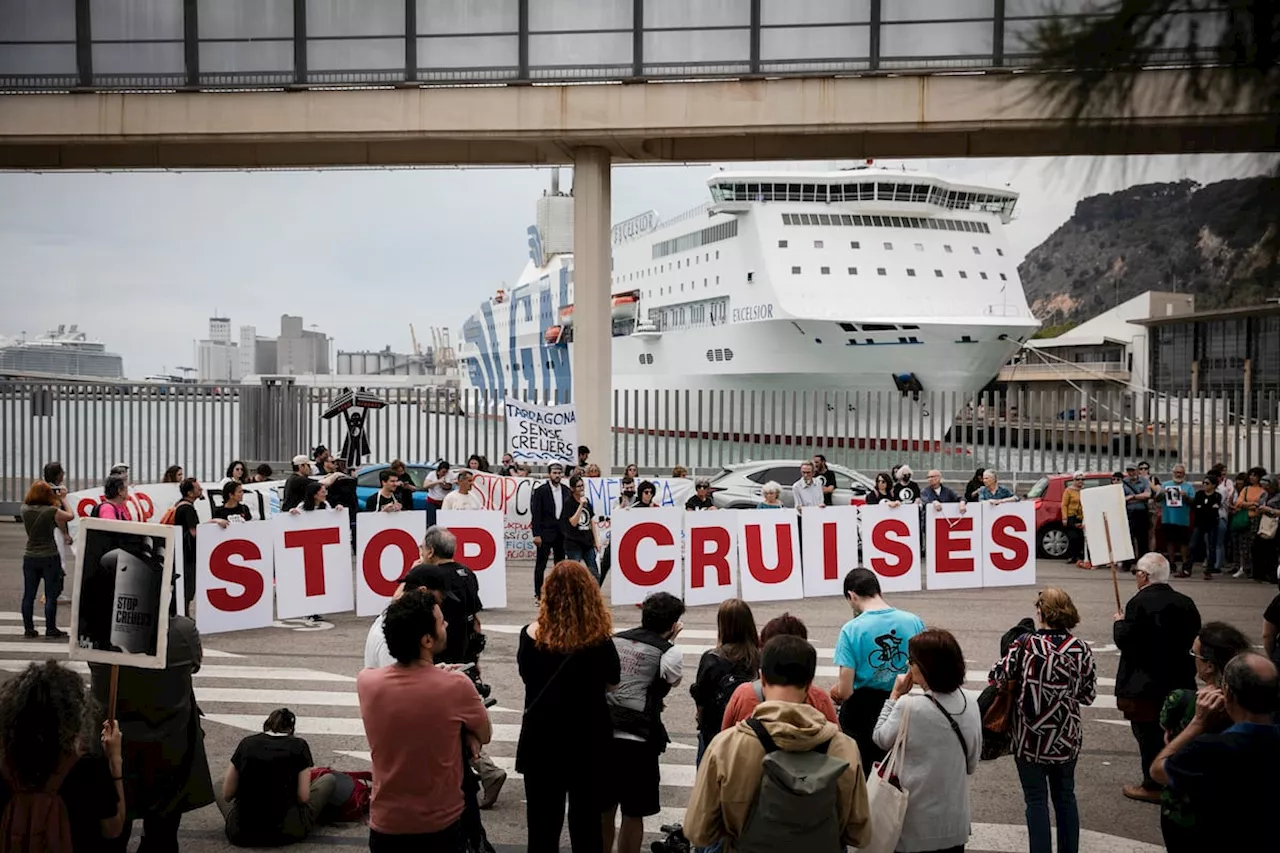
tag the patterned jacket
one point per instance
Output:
(1055, 674)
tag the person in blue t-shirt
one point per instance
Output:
(871, 653)
(1175, 517)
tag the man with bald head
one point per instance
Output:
(938, 494)
(1228, 777)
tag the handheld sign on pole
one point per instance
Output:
(1106, 527)
(1115, 579)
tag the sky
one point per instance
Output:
(141, 260)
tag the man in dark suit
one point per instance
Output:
(545, 510)
(1154, 635)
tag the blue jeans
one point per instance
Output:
(583, 554)
(35, 570)
(1040, 782)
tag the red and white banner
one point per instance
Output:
(1009, 547)
(386, 547)
(480, 548)
(953, 541)
(313, 563)
(769, 544)
(891, 545)
(830, 549)
(710, 557)
(234, 576)
(646, 552)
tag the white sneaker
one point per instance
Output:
(1239, 574)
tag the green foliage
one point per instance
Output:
(1055, 330)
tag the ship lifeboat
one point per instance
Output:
(552, 334)
(625, 305)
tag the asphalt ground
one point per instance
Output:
(312, 670)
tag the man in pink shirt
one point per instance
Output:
(415, 716)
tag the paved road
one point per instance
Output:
(312, 671)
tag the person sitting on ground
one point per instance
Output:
(747, 696)
(943, 743)
(1232, 773)
(268, 796)
(49, 780)
(1214, 647)
(771, 496)
(729, 780)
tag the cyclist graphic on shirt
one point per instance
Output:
(889, 658)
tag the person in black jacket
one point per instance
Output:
(545, 509)
(1154, 635)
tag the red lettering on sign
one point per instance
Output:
(1001, 536)
(897, 546)
(700, 559)
(145, 506)
(948, 545)
(85, 507)
(312, 543)
(372, 566)
(476, 547)
(221, 567)
(629, 545)
(755, 553)
(830, 559)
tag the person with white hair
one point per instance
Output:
(905, 490)
(992, 491)
(770, 496)
(1156, 625)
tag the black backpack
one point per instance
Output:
(96, 511)
(725, 687)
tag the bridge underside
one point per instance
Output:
(981, 115)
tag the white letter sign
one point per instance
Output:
(481, 549)
(830, 549)
(313, 563)
(386, 546)
(234, 573)
(891, 545)
(770, 555)
(646, 553)
(710, 557)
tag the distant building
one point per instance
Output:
(299, 350)
(217, 358)
(386, 363)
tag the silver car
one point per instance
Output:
(738, 486)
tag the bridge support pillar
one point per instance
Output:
(592, 302)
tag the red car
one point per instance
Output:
(1051, 538)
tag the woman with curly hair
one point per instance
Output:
(568, 662)
(54, 796)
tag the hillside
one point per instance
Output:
(1219, 242)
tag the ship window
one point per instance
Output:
(824, 219)
(938, 273)
(963, 274)
(853, 270)
(982, 276)
(817, 244)
(849, 327)
(1003, 277)
(919, 247)
(905, 327)
(888, 247)
(902, 340)
(718, 254)
(911, 273)
(846, 219)
(877, 327)
(854, 244)
(881, 271)
(825, 270)
(795, 270)
(977, 251)
(946, 249)
(782, 244)
(717, 279)
(1000, 252)
(704, 282)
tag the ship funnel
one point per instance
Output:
(555, 181)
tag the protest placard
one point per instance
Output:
(541, 434)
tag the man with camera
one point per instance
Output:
(461, 607)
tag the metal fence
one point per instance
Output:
(201, 44)
(90, 427)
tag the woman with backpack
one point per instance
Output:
(268, 796)
(942, 741)
(1049, 673)
(735, 660)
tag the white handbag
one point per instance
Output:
(886, 798)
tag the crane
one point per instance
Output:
(417, 350)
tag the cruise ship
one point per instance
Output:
(858, 280)
(64, 352)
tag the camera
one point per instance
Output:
(674, 842)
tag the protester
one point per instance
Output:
(747, 696)
(476, 462)
(187, 520)
(1265, 552)
(1206, 507)
(1214, 647)
(115, 499)
(44, 741)
(1137, 494)
(236, 471)
(1250, 499)
(1153, 509)
(415, 715)
(827, 476)
(883, 490)
(992, 491)
(651, 666)
(723, 805)
(807, 491)
(584, 454)
(55, 476)
(120, 469)
(936, 493)
(1229, 776)
(508, 466)
(546, 507)
(314, 497)
(679, 472)
(735, 660)
(438, 486)
(166, 772)
(268, 796)
(172, 474)
(295, 487)
(1226, 488)
(632, 470)
(905, 490)
(43, 518)
(943, 744)
(974, 485)
(1157, 623)
(1073, 518)
(626, 492)
(646, 492)
(386, 499)
(1175, 518)
(420, 577)
(593, 471)
(871, 653)
(578, 527)
(568, 662)
(1052, 673)
(233, 508)
(1271, 629)
(262, 473)
(466, 497)
(701, 497)
(520, 470)
(770, 496)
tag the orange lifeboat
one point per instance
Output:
(552, 335)
(625, 305)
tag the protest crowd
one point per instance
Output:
(879, 760)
